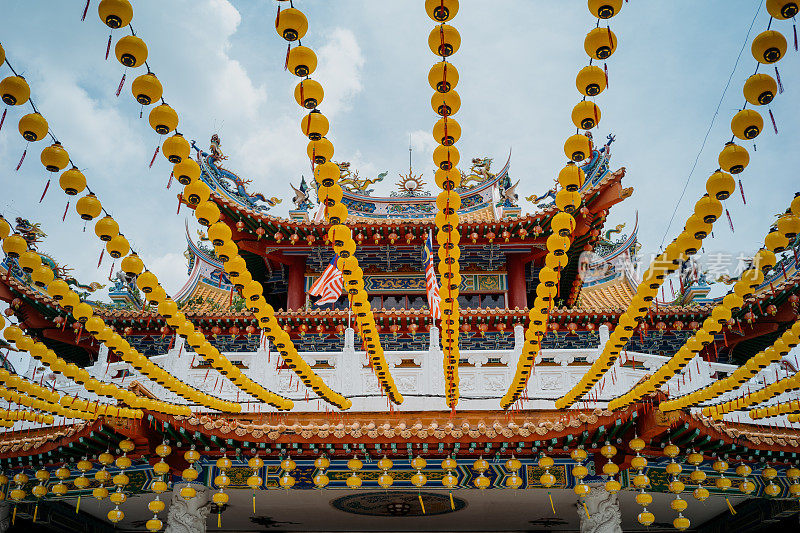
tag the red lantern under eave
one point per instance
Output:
(216, 330)
(233, 330)
(589, 326)
(483, 327)
(522, 233)
(128, 331)
(164, 331)
(677, 325)
(793, 299)
(339, 328)
(572, 327)
(609, 325)
(771, 309)
(661, 326)
(57, 320)
(474, 237)
(393, 237)
(360, 237)
(501, 327)
(584, 210)
(465, 327)
(278, 236)
(310, 239)
(260, 232)
(376, 237)
(293, 238)
(240, 225)
(16, 303)
(491, 236)
(394, 328)
(303, 329)
(287, 328)
(320, 329)
(731, 323)
(694, 325)
(554, 326)
(250, 330)
(537, 230)
(412, 328)
(409, 237)
(506, 235)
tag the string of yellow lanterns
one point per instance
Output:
(735, 380)
(599, 44)
(21, 391)
(768, 47)
(159, 486)
(31, 262)
(641, 481)
(55, 158)
(764, 261)
(444, 41)
(163, 119)
(292, 25)
(9, 416)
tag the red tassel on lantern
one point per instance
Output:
(741, 190)
(85, 10)
(778, 78)
(730, 220)
(772, 118)
(169, 183)
(47, 186)
(108, 46)
(21, 159)
(154, 157)
(3, 118)
(121, 84)
(63, 218)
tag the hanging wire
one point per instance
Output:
(711, 125)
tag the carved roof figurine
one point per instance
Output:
(350, 180)
(301, 199)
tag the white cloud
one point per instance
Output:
(340, 65)
(423, 143)
(170, 269)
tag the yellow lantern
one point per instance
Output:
(106, 228)
(789, 225)
(590, 81)
(302, 61)
(131, 51)
(605, 9)
(88, 207)
(720, 185)
(14, 90)
(586, 115)
(444, 40)
(72, 181)
(446, 131)
(446, 104)
(186, 171)
(769, 46)
(782, 9)
(733, 158)
(196, 192)
(118, 246)
(446, 157)
(577, 147)
(314, 125)
(600, 43)
(441, 10)
(54, 157)
(308, 93)
(132, 265)
(747, 124)
(568, 201)
(320, 151)
(163, 119)
(115, 13)
(147, 89)
(291, 24)
(760, 89)
(443, 77)
(33, 127)
(176, 148)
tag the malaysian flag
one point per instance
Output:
(431, 285)
(329, 285)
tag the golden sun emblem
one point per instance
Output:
(410, 183)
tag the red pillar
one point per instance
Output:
(296, 280)
(517, 292)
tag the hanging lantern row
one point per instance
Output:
(740, 376)
(599, 44)
(55, 158)
(558, 244)
(768, 47)
(95, 326)
(291, 24)
(444, 41)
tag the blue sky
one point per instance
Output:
(221, 63)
